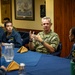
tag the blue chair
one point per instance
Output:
(58, 51)
(25, 37)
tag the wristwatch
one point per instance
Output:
(42, 42)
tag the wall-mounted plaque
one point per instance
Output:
(6, 9)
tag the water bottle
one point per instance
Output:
(22, 69)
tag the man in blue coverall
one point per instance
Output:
(11, 36)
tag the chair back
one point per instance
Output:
(58, 51)
(25, 37)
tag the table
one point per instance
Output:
(41, 64)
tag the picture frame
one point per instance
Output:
(24, 9)
(6, 10)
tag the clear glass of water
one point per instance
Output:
(9, 52)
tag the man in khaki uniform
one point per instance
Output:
(46, 41)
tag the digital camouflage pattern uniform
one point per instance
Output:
(51, 38)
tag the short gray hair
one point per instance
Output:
(48, 18)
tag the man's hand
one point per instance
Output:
(31, 35)
(4, 68)
(38, 38)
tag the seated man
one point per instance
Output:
(7, 19)
(1, 33)
(11, 36)
(46, 41)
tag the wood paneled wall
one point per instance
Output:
(64, 19)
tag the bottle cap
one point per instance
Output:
(22, 64)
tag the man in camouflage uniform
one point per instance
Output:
(46, 41)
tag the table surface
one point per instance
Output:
(40, 64)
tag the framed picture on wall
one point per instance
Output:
(6, 9)
(24, 9)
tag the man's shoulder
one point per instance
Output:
(53, 33)
(15, 32)
(1, 28)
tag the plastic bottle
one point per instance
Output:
(22, 69)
